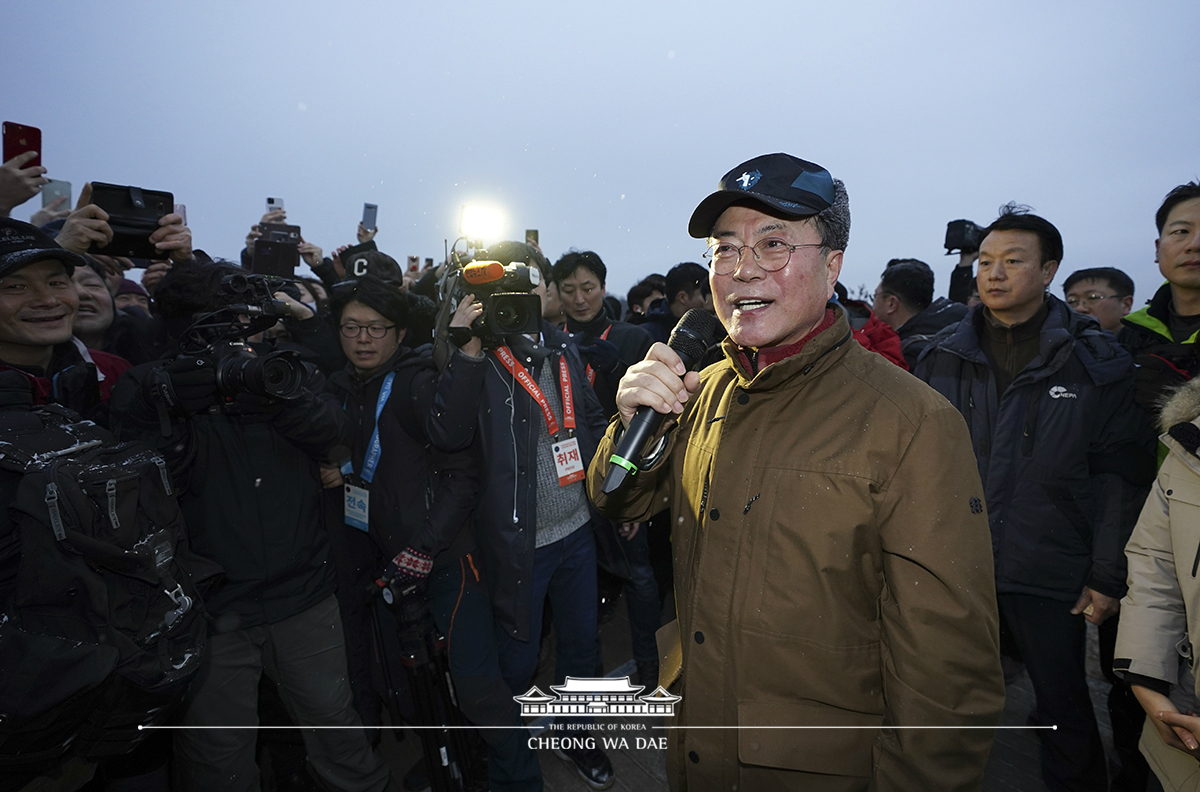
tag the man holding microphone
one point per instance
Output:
(833, 573)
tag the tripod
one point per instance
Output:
(423, 654)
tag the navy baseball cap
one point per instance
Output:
(785, 184)
(22, 244)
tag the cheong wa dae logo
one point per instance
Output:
(597, 696)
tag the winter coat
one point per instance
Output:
(873, 333)
(1059, 451)
(250, 491)
(1160, 616)
(631, 345)
(1162, 363)
(1149, 327)
(916, 333)
(477, 401)
(419, 497)
(831, 569)
(78, 377)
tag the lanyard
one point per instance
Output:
(591, 375)
(371, 460)
(522, 376)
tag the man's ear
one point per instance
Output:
(1126, 304)
(1048, 271)
(833, 267)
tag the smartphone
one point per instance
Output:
(369, 213)
(531, 236)
(54, 189)
(133, 215)
(281, 232)
(181, 210)
(414, 263)
(275, 258)
(274, 203)
(18, 139)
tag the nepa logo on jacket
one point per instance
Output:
(1059, 392)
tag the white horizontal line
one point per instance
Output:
(534, 726)
(1055, 728)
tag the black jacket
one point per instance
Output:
(420, 497)
(1059, 453)
(478, 401)
(631, 342)
(916, 333)
(250, 491)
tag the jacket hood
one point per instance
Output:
(938, 314)
(1183, 405)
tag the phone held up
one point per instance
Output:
(277, 251)
(54, 189)
(133, 215)
(18, 139)
(370, 211)
(274, 203)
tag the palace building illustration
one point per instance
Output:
(587, 696)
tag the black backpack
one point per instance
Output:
(101, 623)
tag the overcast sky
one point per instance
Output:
(604, 124)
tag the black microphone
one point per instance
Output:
(689, 340)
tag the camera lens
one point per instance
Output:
(278, 375)
(509, 317)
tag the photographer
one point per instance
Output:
(534, 524)
(418, 504)
(246, 469)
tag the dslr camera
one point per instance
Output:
(221, 335)
(963, 236)
(509, 308)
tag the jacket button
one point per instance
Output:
(695, 757)
(743, 398)
(1170, 491)
(699, 636)
(715, 514)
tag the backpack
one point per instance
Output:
(101, 623)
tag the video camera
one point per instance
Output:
(963, 236)
(508, 306)
(221, 335)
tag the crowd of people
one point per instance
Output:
(872, 514)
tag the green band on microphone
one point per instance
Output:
(625, 463)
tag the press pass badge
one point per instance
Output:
(568, 461)
(358, 505)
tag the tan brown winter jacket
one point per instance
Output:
(833, 568)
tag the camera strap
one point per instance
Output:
(567, 459)
(591, 373)
(358, 499)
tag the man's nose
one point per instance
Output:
(44, 295)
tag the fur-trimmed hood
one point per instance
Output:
(1182, 406)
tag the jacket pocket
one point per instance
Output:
(1068, 506)
(843, 750)
(1183, 497)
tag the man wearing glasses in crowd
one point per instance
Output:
(832, 559)
(1104, 293)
